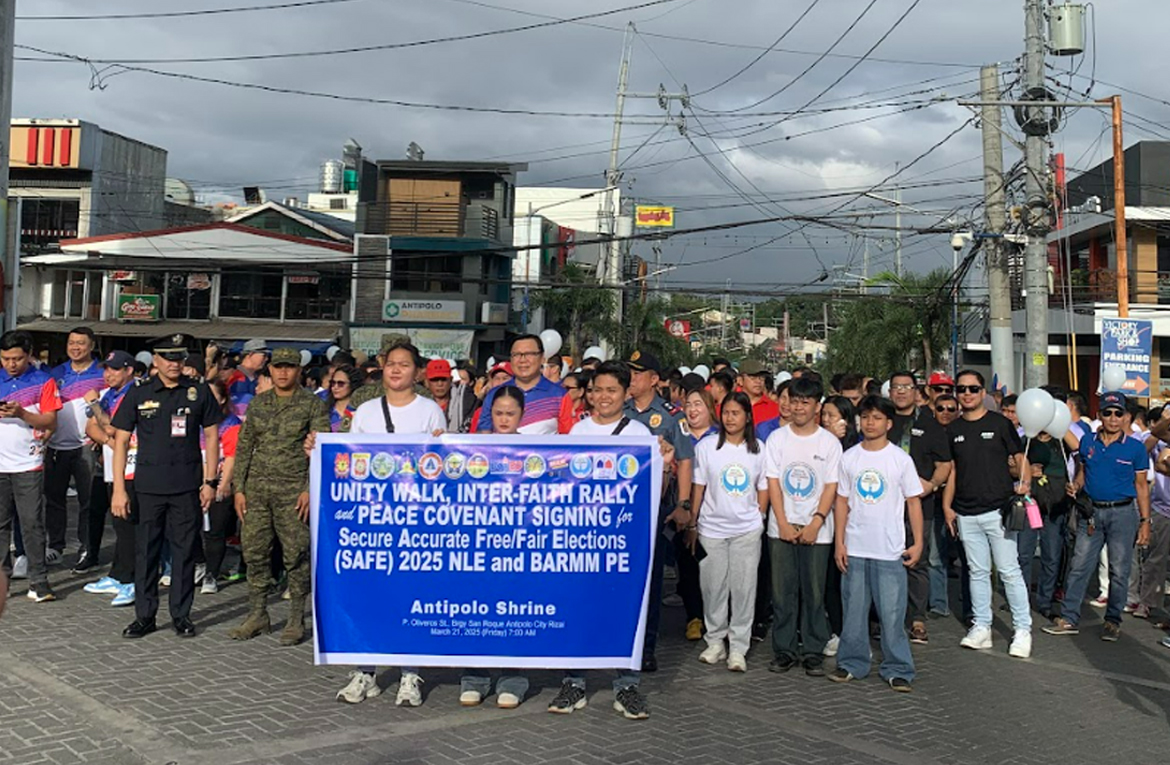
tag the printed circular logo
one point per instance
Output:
(581, 466)
(341, 465)
(800, 481)
(382, 466)
(735, 480)
(627, 466)
(454, 466)
(477, 466)
(534, 466)
(430, 465)
(870, 486)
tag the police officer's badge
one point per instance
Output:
(192, 394)
(655, 420)
(177, 339)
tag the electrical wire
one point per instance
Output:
(178, 14)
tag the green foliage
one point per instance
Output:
(643, 327)
(581, 312)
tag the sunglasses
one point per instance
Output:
(1112, 413)
(941, 388)
(338, 383)
(968, 388)
(950, 409)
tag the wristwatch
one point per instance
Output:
(1144, 520)
(213, 482)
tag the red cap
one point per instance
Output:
(941, 378)
(504, 366)
(438, 369)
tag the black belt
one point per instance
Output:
(1118, 503)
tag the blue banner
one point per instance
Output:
(1129, 344)
(483, 551)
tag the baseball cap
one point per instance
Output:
(196, 362)
(1112, 400)
(941, 378)
(285, 357)
(752, 367)
(118, 360)
(644, 361)
(255, 346)
(438, 369)
(504, 366)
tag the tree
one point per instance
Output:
(643, 327)
(578, 308)
(902, 328)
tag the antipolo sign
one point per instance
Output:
(1128, 343)
(484, 551)
(441, 311)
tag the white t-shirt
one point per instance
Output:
(587, 427)
(877, 485)
(804, 466)
(733, 477)
(419, 416)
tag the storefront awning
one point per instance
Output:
(301, 334)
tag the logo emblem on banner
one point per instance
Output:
(341, 465)
(360, 468)
(477, 466)
(581, 466)
(604, 467)
(382, 466)
(430, 465)
(534, 466)
(627, 466)
(406, 466)
(454, 466)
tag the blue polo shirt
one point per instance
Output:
(1110, 470)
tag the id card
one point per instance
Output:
(178, 426)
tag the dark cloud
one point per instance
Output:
(223, 137)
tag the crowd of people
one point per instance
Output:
(820, 515)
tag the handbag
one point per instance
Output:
(1015, 514)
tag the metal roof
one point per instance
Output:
(217, 329)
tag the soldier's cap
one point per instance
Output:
(171, 347)
(285, 357)
(1112, 400)
(752, 367)
(118, 360)
(392, 339)
(644, 361)
(255, 345)
(438, 369)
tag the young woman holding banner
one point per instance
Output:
(476, 683)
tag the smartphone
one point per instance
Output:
(700, 552)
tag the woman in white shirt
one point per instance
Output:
(730, 495)
(400, 410)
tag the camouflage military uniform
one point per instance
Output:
(271, 471)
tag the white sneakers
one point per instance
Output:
(507, 701)
(466, 699)
(361, 686)
(736, 662)
(979, 638)
(200, 572)
(1021, 645)
(409, 693)
(832, 646)
(714, 653)
(210, 586)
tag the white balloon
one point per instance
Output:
(565, 369)
(702, 371)
(684, 370)
(306, 357)
(491, 362)
(783, 376)
(886, 389)
(145, 357)
(551, 340)
(1035, 408)
(330, 352)
(1113, 378)
(1061, 420)
(594, 352)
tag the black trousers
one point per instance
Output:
(222, 517)
(60, 465)
(180, 518)
(688, 578)
(125, 532)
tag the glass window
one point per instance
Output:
(76, 294)
(416, 272)
(250, 294)
(317, 295)
(188, 296)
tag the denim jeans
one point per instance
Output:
(511, 681)
(798, 599)
(1051, 539)
(882, 584)
(1116, 530)
(985, 543)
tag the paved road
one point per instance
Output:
(72, 691)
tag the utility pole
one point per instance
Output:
(1036, 188)
(723, 309)
(897, 226)
(610, 271)
(1119, 211)
(10, 260)
(998, 282)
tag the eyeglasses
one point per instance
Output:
(518, 355)
(572, 387)
(902, 387)
(338, 383)
(1112, 413)
(968, 388)
(950, 409)
(941, 388)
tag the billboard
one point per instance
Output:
(647, 216)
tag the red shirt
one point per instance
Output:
(765, 409)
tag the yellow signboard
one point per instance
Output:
(660, 217)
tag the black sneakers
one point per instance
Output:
(814, 666)
(631, 703)
(570, 698)
(782, 663)
(900, 684)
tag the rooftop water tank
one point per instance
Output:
(332, 176)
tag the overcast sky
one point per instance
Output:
(221, 137)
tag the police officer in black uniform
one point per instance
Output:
(174, 481)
